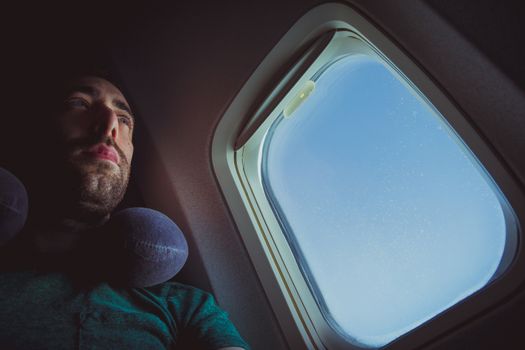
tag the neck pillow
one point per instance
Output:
(141, 247)
(13, 206)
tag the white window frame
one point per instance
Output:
(238, 174)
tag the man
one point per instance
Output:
(44, 303)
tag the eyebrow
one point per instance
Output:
(94, 92)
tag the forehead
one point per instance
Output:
(99, 86)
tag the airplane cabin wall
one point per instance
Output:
(182, 63)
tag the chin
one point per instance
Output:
(97, 166)
(101, 184)
(102, 188)
(99, 196)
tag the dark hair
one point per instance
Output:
(99, 65)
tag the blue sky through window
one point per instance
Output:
(390, 215)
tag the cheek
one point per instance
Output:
(127, 147)
(129, 153)
(72, 128)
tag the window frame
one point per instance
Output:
(294, 305)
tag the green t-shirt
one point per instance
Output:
(49, 311)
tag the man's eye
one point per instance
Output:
(76, 103)
(124, 119)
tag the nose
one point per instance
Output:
(106, 121)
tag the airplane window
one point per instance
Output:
(390, 216)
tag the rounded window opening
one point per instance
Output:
(390, 216)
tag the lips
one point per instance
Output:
(102, 151)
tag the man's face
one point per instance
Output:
(96, 127)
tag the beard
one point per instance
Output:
(98, 185)
(100, 189)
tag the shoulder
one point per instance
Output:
(199, 316)
(185, 302)
(174, 291)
